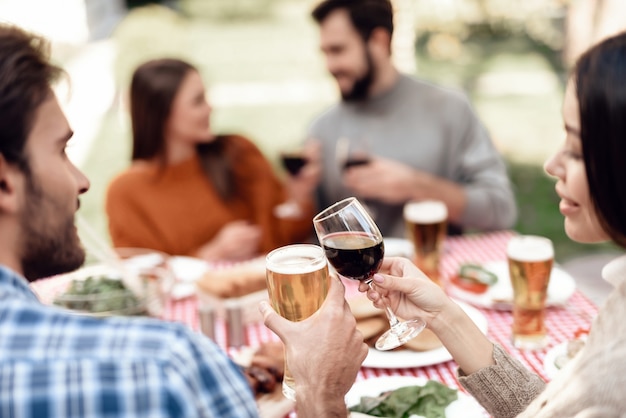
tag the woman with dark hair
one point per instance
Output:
(191, 192)
(589, 170)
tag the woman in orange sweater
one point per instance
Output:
(190, 192)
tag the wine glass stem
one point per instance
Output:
(393, 319)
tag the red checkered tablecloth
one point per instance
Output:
(561, 322)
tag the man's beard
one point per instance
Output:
(49, 244)
(361, 87)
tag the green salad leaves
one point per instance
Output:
(429, 401)
(97, 294)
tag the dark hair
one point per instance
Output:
(26, 76)
(153, 88)
(152, 91)
(366, 15)
(600, 76)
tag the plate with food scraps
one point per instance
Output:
(187, 271)
(551, 365)
(499, 296)
(558, 356)
(400, 359)
(464, 406)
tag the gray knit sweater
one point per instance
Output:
(430, 129)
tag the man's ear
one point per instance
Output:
(10, 180)
(380, 39)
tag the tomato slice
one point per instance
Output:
(580, 332)
(469, 285)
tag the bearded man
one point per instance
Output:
(423, 142)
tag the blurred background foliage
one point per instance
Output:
(266, 78)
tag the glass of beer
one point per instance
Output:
(426, 223)
(297, 283)
(530, 264)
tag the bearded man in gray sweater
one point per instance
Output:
(424, 142)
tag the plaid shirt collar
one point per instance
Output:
(14, 285)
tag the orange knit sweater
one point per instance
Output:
(176, 209)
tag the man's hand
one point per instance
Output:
(324, 353)
(382, 179)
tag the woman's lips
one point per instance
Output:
(567, 207)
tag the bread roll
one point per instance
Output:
(426, 340)
(371, 326)
(362, 307)
(234, 281)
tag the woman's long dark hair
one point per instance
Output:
(153, 88)
(601, 91)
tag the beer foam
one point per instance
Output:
(427, 211)
(530, 248)
(296, 259)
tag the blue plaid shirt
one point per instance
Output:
(57, 364)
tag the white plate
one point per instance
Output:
(464, 407)
(187, 271)
(401, 359)
(397, 247)
(500, 296)
(549, 365)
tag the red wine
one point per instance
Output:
(355, 161)
(293, 163)
(355, 255)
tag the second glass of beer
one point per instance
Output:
(530, 264)
(426, 223)
(297, 284)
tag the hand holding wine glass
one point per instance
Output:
(354, 246)
(352, 152)
(302, 167)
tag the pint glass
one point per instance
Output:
(426, 223)
(530, 263)
(297, 283)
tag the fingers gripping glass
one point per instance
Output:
(354, 246)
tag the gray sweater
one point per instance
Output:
(428, 128)
(593, 384)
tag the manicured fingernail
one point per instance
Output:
(378, 278)
(263, 306)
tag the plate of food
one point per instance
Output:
(558, 356)
(409, 396)
(100, 290)
(187, 270)
(423, 350)
(489, 286)
(398, 247)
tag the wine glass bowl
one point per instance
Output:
(354, 255)
(354, 246)
(293, 161)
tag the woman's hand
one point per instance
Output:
(407, 291)
(410, 294)
(300, 187)
(238, 240)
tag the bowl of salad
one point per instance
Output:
(136, 285)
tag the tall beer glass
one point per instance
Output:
(530, 264)
(297, 283)
(426, 223)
